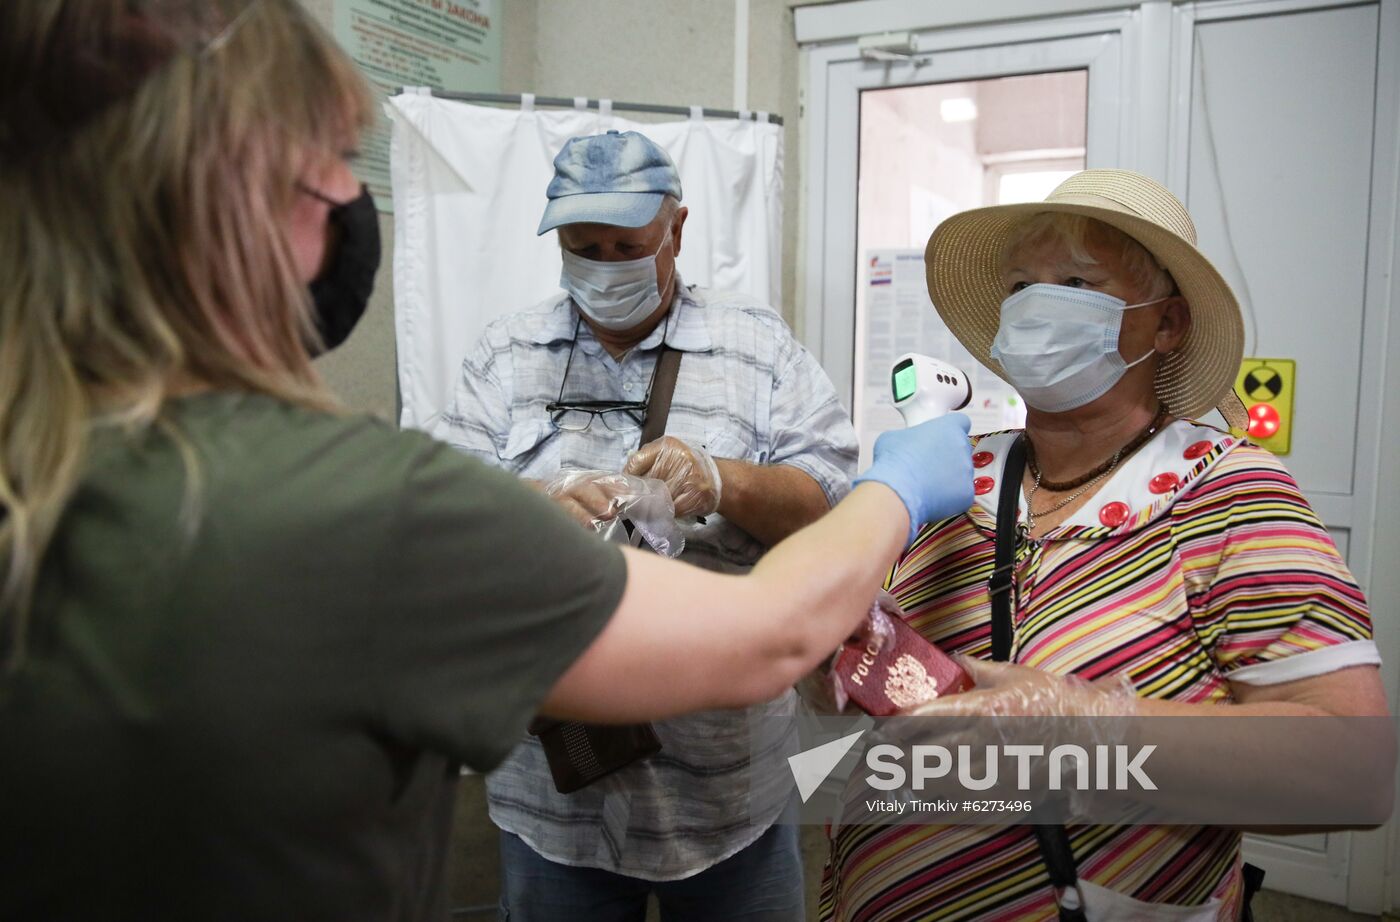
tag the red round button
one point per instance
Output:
(982, 458)
(1264, 421)
(1164, 483)
(982, 485)
(1195, 450)
(1114, 514)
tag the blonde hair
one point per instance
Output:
(1077, 233)
(149, 156)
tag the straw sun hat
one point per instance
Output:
(963, 258)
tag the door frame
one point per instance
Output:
(1377, 467)
(836, 75)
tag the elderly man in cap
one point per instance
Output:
(756, 446)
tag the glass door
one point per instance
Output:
(926, 152)
(977, 116)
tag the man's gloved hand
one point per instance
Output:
(929, 466)
(608, 503)
(688, 472)
(593, 497)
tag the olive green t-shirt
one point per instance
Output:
(247, 696)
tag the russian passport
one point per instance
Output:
(890, 667)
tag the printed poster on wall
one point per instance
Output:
(899, 318)
(443, 44)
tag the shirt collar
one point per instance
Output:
(688, 330)
(1138, 492)
(557, 324)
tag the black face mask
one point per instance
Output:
(341, 292)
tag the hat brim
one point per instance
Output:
(962, 266)
(620, 209)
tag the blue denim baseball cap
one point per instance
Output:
(618, 178)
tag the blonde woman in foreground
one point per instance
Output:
(248, 637)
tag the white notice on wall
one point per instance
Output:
(899, 318)
(443, 44)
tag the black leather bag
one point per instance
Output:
(579, 753)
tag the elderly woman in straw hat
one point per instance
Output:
(1145, 550)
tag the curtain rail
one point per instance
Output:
(563, 102)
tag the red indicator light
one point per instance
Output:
(1263, 421)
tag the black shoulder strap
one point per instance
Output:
(659, 404)
(1058, 855)
(1055, 848)
(1008, 504)
(668, 369)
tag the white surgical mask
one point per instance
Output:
(614, 295)
(1059, 345)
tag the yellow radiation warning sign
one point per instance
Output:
(1266, 387)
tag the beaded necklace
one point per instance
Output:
(1085, 481)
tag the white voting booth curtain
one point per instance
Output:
(469, 188)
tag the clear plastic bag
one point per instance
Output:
(876, 634)
(634, 510)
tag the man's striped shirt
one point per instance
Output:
(747, 390)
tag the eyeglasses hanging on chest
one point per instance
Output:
(617, 415)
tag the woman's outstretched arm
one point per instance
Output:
(685, 639)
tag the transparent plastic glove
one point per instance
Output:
(604, 502)
(1023, 706)
(688, 472)
(818, 693)
(929, 466)
(1009, 690)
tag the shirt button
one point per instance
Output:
(1195, 450)
(627, 387)
(982, 458)
(1164, 483)
(982, 485)
(1114, 514)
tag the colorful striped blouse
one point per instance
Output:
(1198, 564)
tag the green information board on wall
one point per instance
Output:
(444, 44)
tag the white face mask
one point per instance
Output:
(1059, 345)
(614, 295)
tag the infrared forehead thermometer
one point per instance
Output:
(925, 388)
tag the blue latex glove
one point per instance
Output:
(929, 466)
